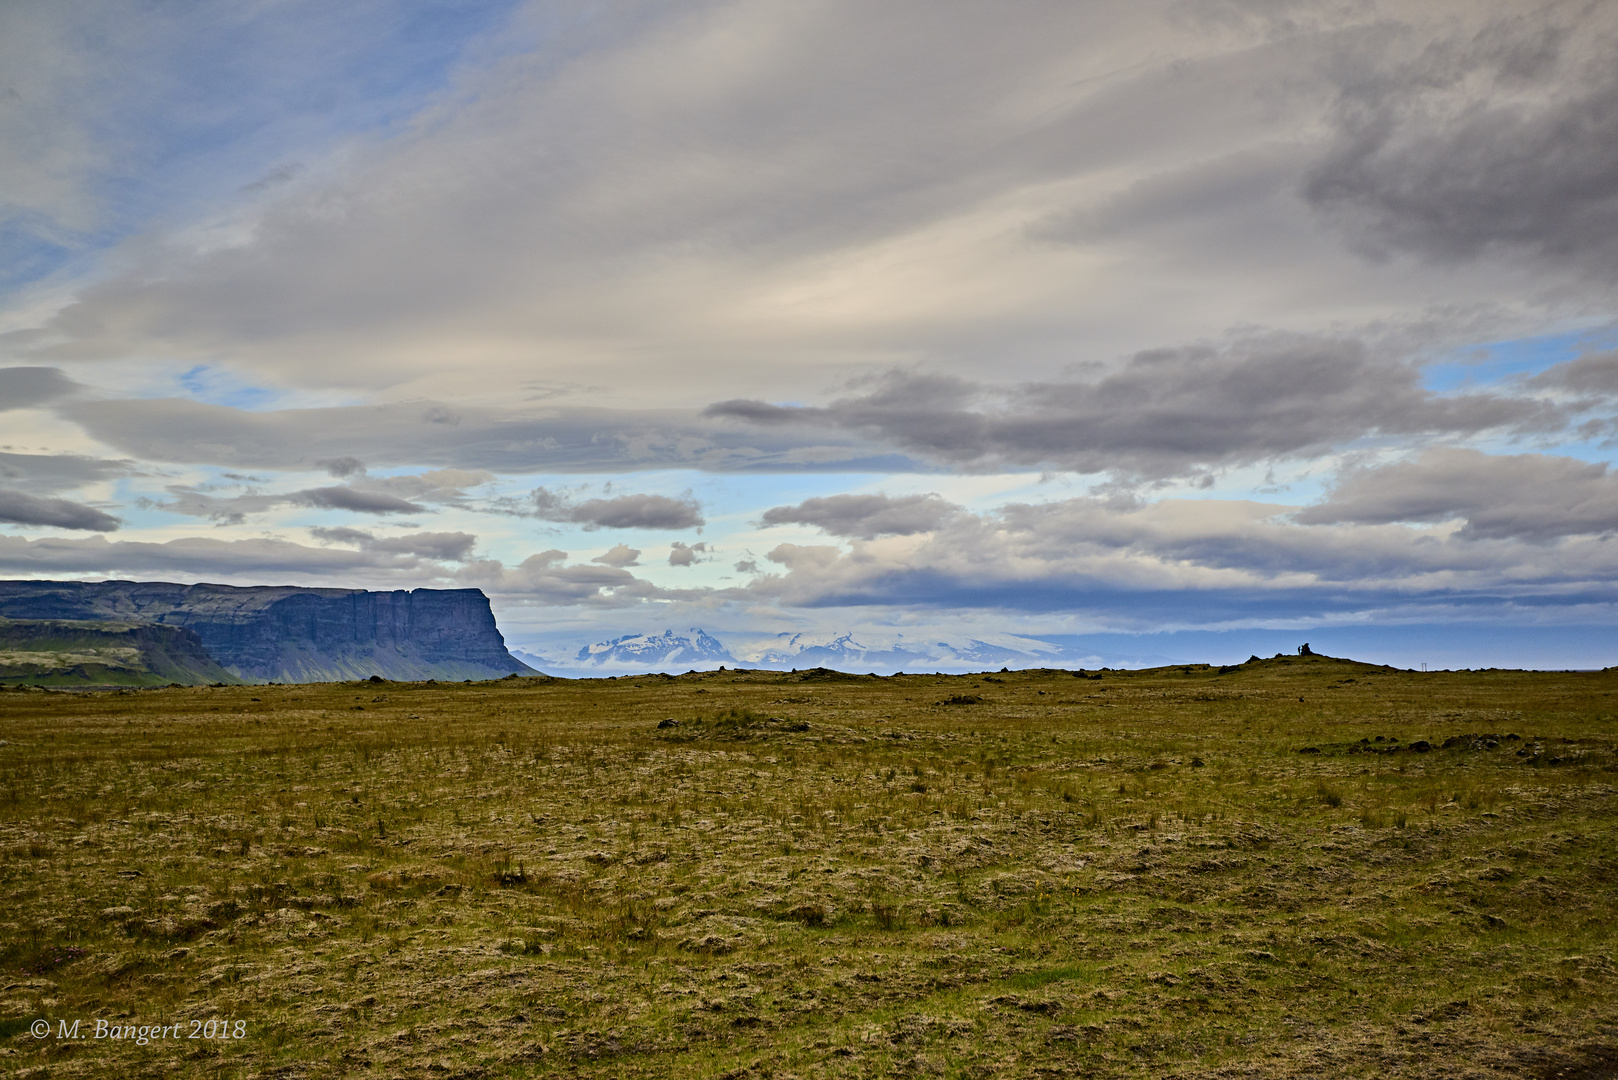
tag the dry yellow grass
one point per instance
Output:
(1166, 873)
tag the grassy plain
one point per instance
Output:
(1177, 872)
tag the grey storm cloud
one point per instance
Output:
(1502, 138)
(1165, 412)
(619, 512)
(1533, 497)
(445, 546)
(19, 508)
(866, 516)
(25, 387)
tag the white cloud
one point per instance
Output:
(619, 555)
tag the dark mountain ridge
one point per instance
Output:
(283, 633)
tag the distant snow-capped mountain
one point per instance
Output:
(654, 651)
(848, 651)
(841, 651)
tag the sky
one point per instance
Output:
(1154, 329)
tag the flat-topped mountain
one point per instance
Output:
(282, 633)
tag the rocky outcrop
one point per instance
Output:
(282, 633)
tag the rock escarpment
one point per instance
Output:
(282, 633)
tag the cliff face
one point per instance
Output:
(288, 634)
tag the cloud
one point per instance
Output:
(866, 516)
(545, 578)
(438, 486)
(1166, 412)
(342, 468)
(619, 512)
(203, 559)
(444, 546)
(682, 555)
(1126, 564)
(22, 509)
(366, 495)
(1593, 375)
(805, 556)
(1499, 138)
(1533, 497)
(700, 190)
(343, 497)
(26, 387)
(620, 555)
(43, 473)
(575, 440)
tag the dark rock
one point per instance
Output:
(670, 722)
(1421, 746)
